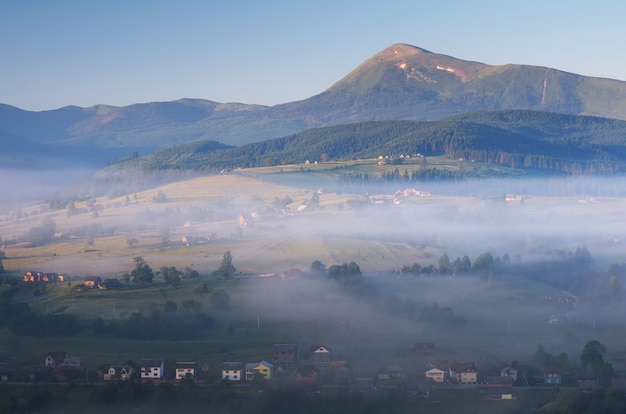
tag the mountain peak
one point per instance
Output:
(399, 51)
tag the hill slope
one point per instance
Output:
(521, 139)
(400, 82)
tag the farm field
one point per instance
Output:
(267, 220)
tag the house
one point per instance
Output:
(424, 347)
(392, 373)
(280, 371)
(499, 382)
(285, 353)
(551, 377)
(320, 354)
(152, 368)
(232, 371)
(188, 240)
(465, 373)
(111, 283)
(33, 276)
(513, 197)
(436, 375)
(264, 368)
(118, 372)
(92, 281)
(499, 388)
(29, 276)
(186, 370)
(509, 372)
(57, 359)
(53, 277)
(307, 374)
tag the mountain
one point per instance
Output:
(406, 82)
(400, 82)
(553, 143)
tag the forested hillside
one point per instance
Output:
(520, 139)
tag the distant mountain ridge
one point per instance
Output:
(402, 82)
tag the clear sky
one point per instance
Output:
(55, 53)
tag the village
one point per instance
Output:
(315, 367)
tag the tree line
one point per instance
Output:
(350, 280)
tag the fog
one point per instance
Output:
(26, 186)
(550, 292)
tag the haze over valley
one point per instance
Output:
(423, 209)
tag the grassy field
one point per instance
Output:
(506, 319)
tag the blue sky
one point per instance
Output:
(83, 52)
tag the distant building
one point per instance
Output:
(152, 368)
(436, 375)
(232, 371)
(56, 359)
(320, 354)
(186, 370)
(118, 372)
(264, 368)
(285, 353)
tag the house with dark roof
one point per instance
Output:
(465, 373)
(57, 359)
(499, 382)
(232, 371)
(320, 354)
(391, 373)
(509, 372)
(551, 377)
(92, 281)
(152, 368)
(307, 374)
(118, 372)
(186, 370)
(285, 353)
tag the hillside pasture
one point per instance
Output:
(506, 318)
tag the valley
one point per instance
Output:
(547, 282)
(434, 224)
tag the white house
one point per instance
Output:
(186, 368)
(320, 354)
(57, 359)
(232, 371)
(436, 375)
(152, 368)
(118, 372)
